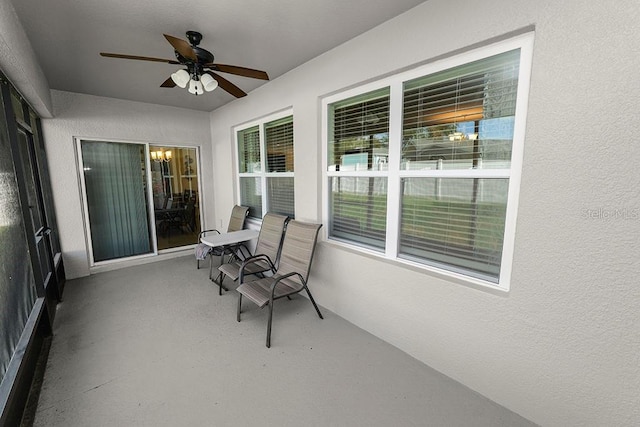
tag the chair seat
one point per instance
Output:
(259, 290)
(232, 269)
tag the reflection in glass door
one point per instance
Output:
(175, 184)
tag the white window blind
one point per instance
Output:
(359, 142)
(459, 119)
(454, 223)
(250, 166)
(279, 140)
(279, 145)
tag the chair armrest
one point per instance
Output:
(202, 233)
(275, 283)
(244, 251)
(251, 260)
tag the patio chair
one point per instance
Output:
(236, 222)
(182, 218)
(291, 275)
(266, 253)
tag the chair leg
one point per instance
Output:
(219, 280)
(269, 324)
(198, 264)
(211, 265)
(239, 306)
(313, 302)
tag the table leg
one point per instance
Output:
(219, 279)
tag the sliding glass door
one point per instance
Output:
(175, 187)
(139, 198)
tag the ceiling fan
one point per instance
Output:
(200, 72)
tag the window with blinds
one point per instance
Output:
(251, 195)
(358, 151)
(454, 223)
(250, 167)
(279, 140)
(265, 165)
(279, 145)
(459, 119)
(456, 124)
(249, 150)
(422, 169)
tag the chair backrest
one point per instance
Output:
(238, 215)
(271, 235)
(189, 212)
(297, 248)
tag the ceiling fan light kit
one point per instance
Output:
(208, 82)
(200, 73)
(195, 87)
(181, 78)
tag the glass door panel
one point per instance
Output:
(116, 199)
(175, 184)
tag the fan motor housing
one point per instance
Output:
(203, 55)
(194, 37)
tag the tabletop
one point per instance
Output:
(229, 238)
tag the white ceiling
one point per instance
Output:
(271, 35)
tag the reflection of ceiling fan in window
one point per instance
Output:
(199, 72)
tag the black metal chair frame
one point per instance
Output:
(274, 285)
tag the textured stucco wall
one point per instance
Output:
(563, 346)
(19, 63)
(109, 119)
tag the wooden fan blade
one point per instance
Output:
(140, 58)
(182, 46)
(168, 83)
(240, 71)
(227, 85)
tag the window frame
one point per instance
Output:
(263, 174)
(394, 174)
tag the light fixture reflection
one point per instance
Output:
(161, 156)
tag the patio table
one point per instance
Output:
(226, 239)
